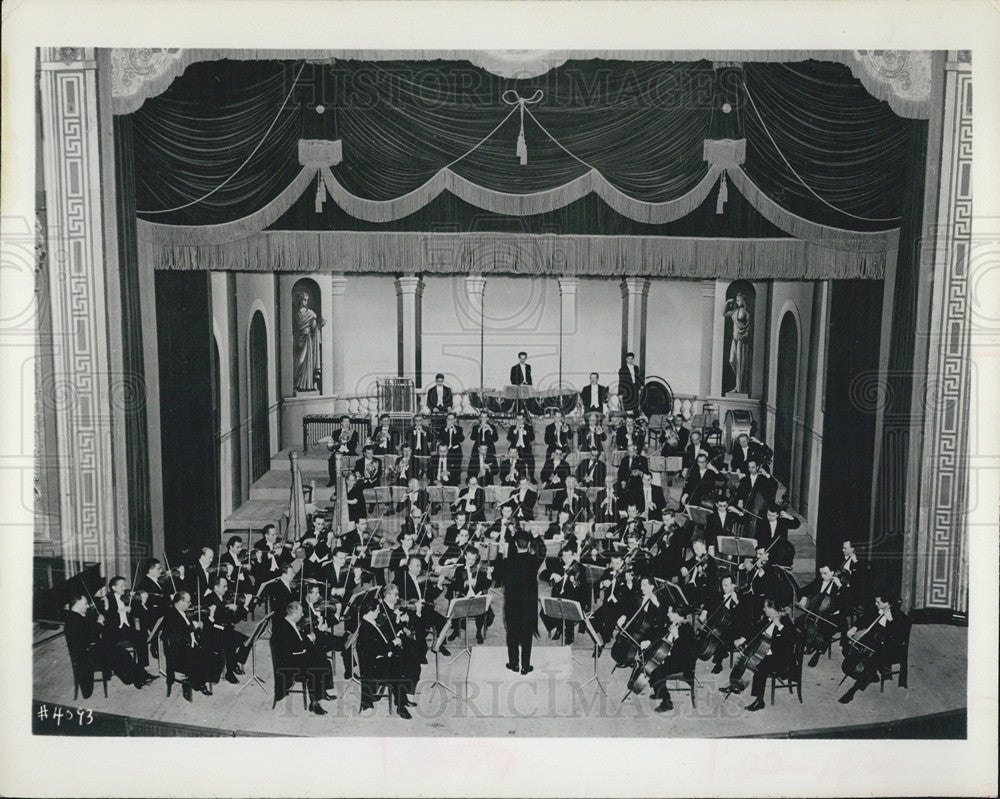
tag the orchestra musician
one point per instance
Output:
(452, 437)
(591, 471)
(694, 448)
(855, 576)
(419, 439)
(199, 579)
(593, 435)
(630, 383)
(739, 615)
(235, 566)
(472, 499)
(404, 552)
(567, 583)
(445, 467)
(344, 441)
(593, 396)
(460, 522)
(471, 579)
(485, 433)
(269, 556)
(418, 595)
(822, 597)
(698, 576)
(607, 507)
(755, 491)
(405, 467)
(774, 526)
(521, 436)
(629, 434)
(483, 465)
(720, 522)
(642, 627)
(680, 658)
(747, 448)
(555, 470)
(512, 469)
(153, 602)
(557, 434)
(520, 372)
(416, 496)
(418, 526)
(439, 397)
(649, 499)
(122, 627)
(357, 507)
(631, 469)
(763, 580)
(882, 629)
(279, 590)
(632, 524)
(700, 484)
(572, 499)
(562, 530)
(181, 635)
(522, 500)
(781, 634)
(298, 658)
(669, 558)
(384, 439)
(618, 593)
(316, 619)
(385, 654)
(220, 631)
(368, 468)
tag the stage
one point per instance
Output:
(553, 701)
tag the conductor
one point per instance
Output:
(520, 610)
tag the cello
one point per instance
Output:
(652, 658)
(718, 628)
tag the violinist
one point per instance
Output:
(871, 651)
(649, 499)
(405, 467)
(720, 522)
(731, 618)
(181, 635)
(699, 486)
(296, 657)
(607, 507)
(340, 577)
(557, 435)
(199, 577)
(822, 599)
(484, 433)
(269, 556)
(471, 579)
(642, 627)
(87, 652)
(384, 439)
(762, 579)
(521, 436)
(418, 438)
(416, 496)
(571, 498)
(504, 529)
(698, 576)
(774, 643)
(320, 555)
(483, 466)
(368, 468)
(562, 530)
(220, 632)
(592, 437)
(383, 656)
(316, 619)
(121, 621)
(618, 596)
(445, 467)
(669, 558)
(679, 657)
(555, 470)
(401, 556)
(460, 523)
(513, 469)
(344, 442)
(472, 500)
(235, 565)
(454, 553)
(776, 525)
(354, 493)
(279, 590)
(631, 469)
(632, 524)
(523, 500)
(417, 526)
(566, 583)
(153, 602)
(418, 594)
(636, 557)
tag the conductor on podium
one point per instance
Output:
(520, 609)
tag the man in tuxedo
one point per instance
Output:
(369, 468)
(439, 397)
(720, 522)
(776, 525)
(607, 506)
(630, 382)
(484, 432)
(555, 471)
(628, 436)
(415, 497)
(739, 611)
(755, 491)
(593, 435)
(472, 499)
(460, 522)
(694, 448)
(521, 436)
(523, 500)
(700, 483)
(557, 434)
(779, 628)
(857, 578)
(384, 438)
(220, 631)
(452, 435)
(343, 441)
(520, 607)
(202, 665)
(631, 469)
(520, 372)
(594, 395)
(297, 657)
(445, 467)
(279, 592)
(419, 438)
(649, 499)
(483, 465)
(742, 451)
(512, 469)
(572, 499)
(419, 593)
(887, 628)
(591, 471)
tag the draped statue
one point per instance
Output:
(739, 348)
(306, 326)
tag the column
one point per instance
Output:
(707, 337)
(635, 291)
(475, 291)
(87, 386)
(338, 334)
(570, 363)
(409, 297)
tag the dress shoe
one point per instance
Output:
(814, 659)
(367, 706)
(207, 689)
(512, 667)
(238, 669)
(329, 485)
(317, 708)
(231, 678)
(717, 669)
(453, 636)
(527, 669)
(479, 638)
(186, 690)
(403, 713)
(757, 704)
(664, 706)
(555, 634)
(329, 696)
(847, 697)
(444, 651)
(730, 689)
(600, 650)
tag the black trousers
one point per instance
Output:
(519, 647)
(768, 666)
(137, 638)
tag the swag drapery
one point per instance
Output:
(619, 176)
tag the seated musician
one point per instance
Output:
(762, 578)
(673, 444)
(452, 436)
(699, 576)
(417, 594)
(772, 532)
(639, 630)
(297, 657)
(755, 491)
(607, 507)
(632, 524)
(339, 576)
(87, 652)
(631, 469)
(562, 529)
(629, 436)
(439, 397)
(649, 499)
(416, 496)
(483, 465)
(471, 579)
(572, 499)
(593, 436)
(503, 530)
(523, 501)
(385, 653)
(187, 651)
(882, 629)
(460, 522)
(700, 485)
(235, 565)
(673, 542)
(636, 556)
(746, 449)
(454, 551)
(592, 471)
(122, 626)
(694, 448)
(521, 436)
(856, 578)
(269, 556)
(199, 578)
(418, 526)
(343, 442)
(445, 467)
(318, 620)
(779, 651)
(739, 617)
(357, 539)
(220, 627)
(369, 468)
(405, 551)
(279, 590)
(483, 432)
(593, 396)
(419, 439)
(618, 596)
(512, 469)
(681, 658)
(384, 438)
(557, 434)
(472, 499)
(822, 597)
(153, 602)
(720, 522)
(357, 506)
(555, 470)
(566, 580)
(405, 467)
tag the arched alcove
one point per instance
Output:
(306, 345)
(260, 432)
(738, 351)
(784, 400)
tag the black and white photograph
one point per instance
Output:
(405, 393)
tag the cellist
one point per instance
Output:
(778, 634)
(738, 617)
(821, 597)
(680, 638)
(642, 627)
(883, 628)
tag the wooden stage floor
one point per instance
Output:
(552, 701)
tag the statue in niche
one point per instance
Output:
(739, 349)
(306, 326)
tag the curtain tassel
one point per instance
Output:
(522, 146)
(720, 203)
(320, 191)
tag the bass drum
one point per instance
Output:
(738, 422)
(656, 398)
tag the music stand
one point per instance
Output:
(593, 574)
(255, 636)
(351, 643)
(674, 592)
(566, 610)
(735, 548)
(697, 514)
(488, 550)
(466, 608)
(381, 558)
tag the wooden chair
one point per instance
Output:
(173, 674)
(793, 677)
(299, 679)
(684, 678)
(899, 663)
